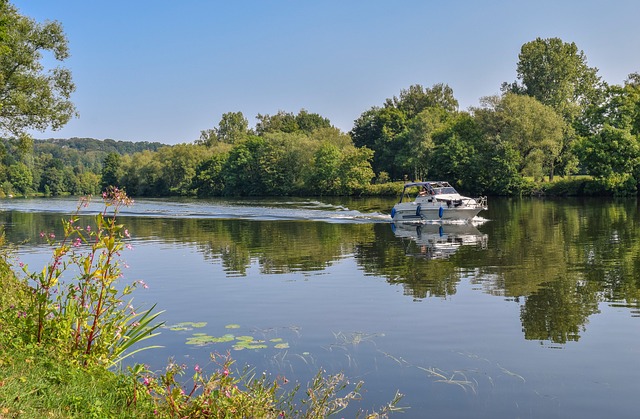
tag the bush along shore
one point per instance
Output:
(62, 342)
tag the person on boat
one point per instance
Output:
(423, 191)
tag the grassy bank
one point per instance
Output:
(62, 340)
(37, 383)
(39, 380)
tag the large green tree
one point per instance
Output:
(111, 170)
(31, 96)
(242, 170)
(232, 128)
(417, 98)
(21, 177)
(556, 73)
(378, 129)
(621, 107)
(417, 141)
(336, 171)
(460, 154)
(534, 131)
(612, 155)
(400, 132)
(610, 145)
(287, 122)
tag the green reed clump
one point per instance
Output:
(87, 316)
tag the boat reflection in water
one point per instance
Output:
(438, 240)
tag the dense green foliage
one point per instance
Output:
(553, 120)
(323, 161)
(32, 96)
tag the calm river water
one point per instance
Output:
(531, 311)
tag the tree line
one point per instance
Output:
(558, 118)
(57, 166)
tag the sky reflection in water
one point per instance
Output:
(532, 313)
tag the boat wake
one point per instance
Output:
(262, 210)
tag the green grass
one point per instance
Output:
(35, 384)
(46, 380)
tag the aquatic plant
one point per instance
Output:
(185, 326)
(241, 342)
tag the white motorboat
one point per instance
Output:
(433, 201)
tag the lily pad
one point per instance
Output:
(186, 326)
(224, 338)
(284, 345)
(275, 340)
(248, 345)
(201, 339)
(232, 326)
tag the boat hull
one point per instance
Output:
(412, 212)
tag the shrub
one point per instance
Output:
(84, 317)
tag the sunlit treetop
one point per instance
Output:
(31, 95)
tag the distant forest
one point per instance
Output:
(59, 166)
(88, 153)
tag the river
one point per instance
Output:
(530, 311)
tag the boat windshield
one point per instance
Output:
(447, 190)
(424, 189)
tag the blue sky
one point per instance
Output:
(163, 70)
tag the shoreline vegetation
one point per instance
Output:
(63, 339)
(575, 186)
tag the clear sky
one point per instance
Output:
(163, 70)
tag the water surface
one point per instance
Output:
(531, 311)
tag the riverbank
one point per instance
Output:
(61, 342)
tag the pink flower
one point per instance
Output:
(88, 229)
(126, 233)
(197, 368)
(128, 246)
